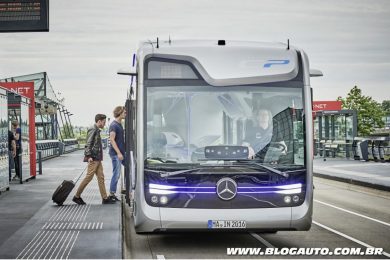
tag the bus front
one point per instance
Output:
(223, 138)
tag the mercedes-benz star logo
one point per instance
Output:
(226, 188)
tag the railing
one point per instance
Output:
(371, 148)
(70, 145)
(48, 149)
(334, 148)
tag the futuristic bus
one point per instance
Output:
(219, 137)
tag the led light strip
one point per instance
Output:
(166, 189)
(165, 192)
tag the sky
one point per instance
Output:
(89, 40)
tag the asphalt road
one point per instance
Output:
(344, 216)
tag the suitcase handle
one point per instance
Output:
(81, 174)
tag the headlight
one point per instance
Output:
(163, 200)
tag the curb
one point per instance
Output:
(352, 181)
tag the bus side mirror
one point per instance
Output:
(315, 73)
(128, 71)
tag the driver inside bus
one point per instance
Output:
(259, 133)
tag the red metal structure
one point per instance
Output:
(327, 105)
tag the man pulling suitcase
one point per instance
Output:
(94, 156)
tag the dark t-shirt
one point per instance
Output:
(259, 138)
(119, 138)
(100, 156)
(11, 138)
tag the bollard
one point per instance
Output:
(39, 162)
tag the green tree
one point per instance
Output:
(369, 111)
(386, 106)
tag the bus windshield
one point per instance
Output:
(181, 121)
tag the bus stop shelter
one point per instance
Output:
(334, 129)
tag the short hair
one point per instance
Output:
(15, 123)
(99, 117)
(258, 110)
(118, 111)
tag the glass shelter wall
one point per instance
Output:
(18, 109)
(4, 165)
(25, 126)
(334, 132)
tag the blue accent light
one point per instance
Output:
(291, 191)
(170, 189)
(165, 192)
(276, 62)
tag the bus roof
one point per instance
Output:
(230, 62)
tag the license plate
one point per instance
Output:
(226, 224)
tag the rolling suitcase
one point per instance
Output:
(62, 192)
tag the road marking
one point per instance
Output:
(70, 240)
(47, 245)
(36, 246)
(59, 242)
(354, 213)
(53, 243)
(32, 240)
(47, 240)
(62, 244)
(161, 257)
(347, 237)
(262, 240)
(77, 235)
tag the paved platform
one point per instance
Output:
(32, 226)
(369, 174)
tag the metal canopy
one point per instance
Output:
(47, 105)
(44, 92)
